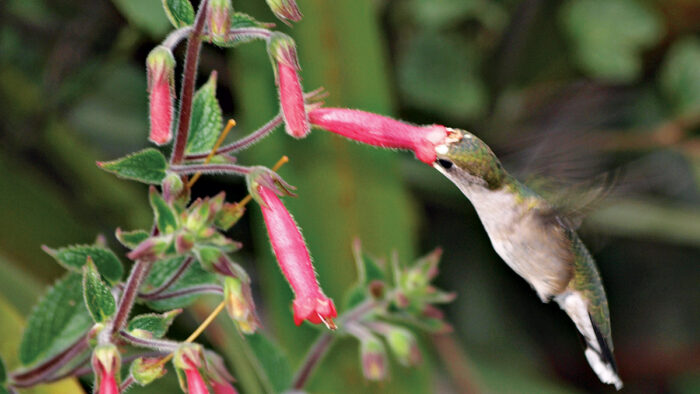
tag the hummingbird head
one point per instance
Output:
(465, 159)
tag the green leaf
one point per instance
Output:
(680, 75)
(610, 49)
(98, 297)
(56, 322)
(161, 272)
(166, 218)
(179, 12)
(145, 15)
(272, 360)
(207, 122)
(155, 324)
(131, 239)
(147, 166)
(451, 86)
(74, 258)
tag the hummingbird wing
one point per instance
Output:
(586, 304)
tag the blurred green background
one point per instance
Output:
(568, 89)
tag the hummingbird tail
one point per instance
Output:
(598, 353)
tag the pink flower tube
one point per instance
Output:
(292, 101)
(381, 131)
(105, 364)
(223, 387)
(108, 385)
(195, 383)
(290, 249)
(160, 66)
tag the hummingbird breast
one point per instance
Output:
(523, 233)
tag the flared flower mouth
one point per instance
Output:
(316, 309)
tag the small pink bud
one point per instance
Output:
(106, 362)
(285, 10)
(283, 52)
(293, 256)
(219, 19)
(373, 358)
(381, 131)
(160, 67)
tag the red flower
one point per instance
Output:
(283, 52)
(381, 131)
(106, 363)
(160, 66)
(293, 256)
(195, 383)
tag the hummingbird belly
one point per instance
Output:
(535, 248)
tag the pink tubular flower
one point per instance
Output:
(195, 383)
(160, 66)
(188, 359)
(381, 131)
(290, 249)
(283, 52)
(105, 363)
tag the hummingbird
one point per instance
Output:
(537, 242)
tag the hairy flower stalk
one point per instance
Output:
(106, 362)
(283, 53)
(381, 131)
(293, 256)
(160, 66)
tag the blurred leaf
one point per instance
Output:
(3, 371)
(11, 329)
(147, 15)
(206, 122)
(272, 360)
(179, 12)
(441, 14)
(98, 297)
(156, 324)
(439, 73)
(56, 322)
(147, 166)
(609, 36)
(74, 257)
(33, 11)
(161, 272)
(680, 75)
(131, 239)
(654, 219)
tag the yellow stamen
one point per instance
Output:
(218, 143)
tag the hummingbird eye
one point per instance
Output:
(446, 164)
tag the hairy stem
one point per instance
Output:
(233, 169)
(194, 44)
(157, 344)
(245, 142)
(176, 36)
(173, 278)
(202, 289)
(131, 289)
(30, 378)
(126, 384)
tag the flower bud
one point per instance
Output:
(189, 359)
(240, 305)
(403, 344)
(160, 67)
(381, 131)
(229, 215)
(283, 52)
(293, 257)
(220, 12)
(106, 362)
(172, 186)
(373, 358)
(285, 10)
(146, 370)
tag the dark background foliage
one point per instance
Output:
(563, 89)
